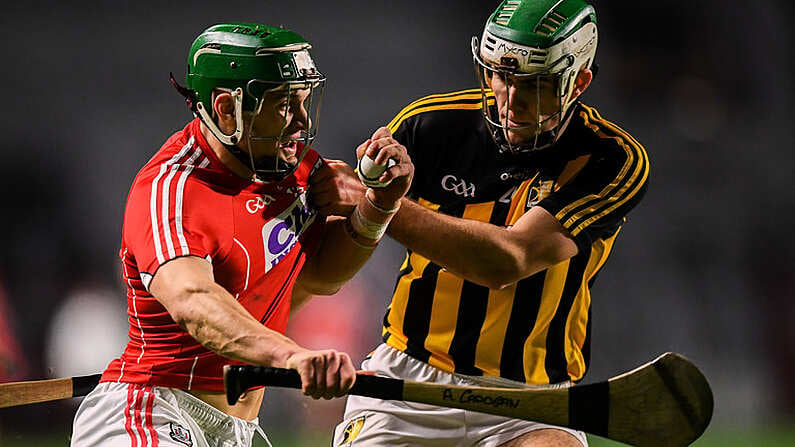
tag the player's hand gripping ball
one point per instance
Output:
(369, 172)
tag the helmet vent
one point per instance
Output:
(549, 24)
(505, 13)
(537, 57)
(490, 43)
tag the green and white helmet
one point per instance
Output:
(249, 60)
(526, 39)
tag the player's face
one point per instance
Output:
(276, 129)
(527, 104)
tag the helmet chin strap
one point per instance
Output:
(233, 138)
(263, 168)
(260, 167)
(228, 141)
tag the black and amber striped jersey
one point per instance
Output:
(537, 330)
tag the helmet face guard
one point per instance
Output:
(307, 97)
(536, 48)
(545, 126)
(257, 65)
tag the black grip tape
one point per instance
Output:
(378, 387)
(82, 385)
(589, 408)
(370, 386)
(281, 377)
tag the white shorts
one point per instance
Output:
(374, 422)
(121, 414)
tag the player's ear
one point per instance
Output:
(224, 107)
(582, 81)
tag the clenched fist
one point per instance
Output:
(335, 189)
(381, 147)
(325, 374)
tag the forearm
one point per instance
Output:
(346, 246)
(216, 320)
(479, 252)
(299, 297)
(336, 260)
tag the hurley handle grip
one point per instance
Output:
(239, 378)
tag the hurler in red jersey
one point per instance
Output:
(220, 241)
(257, 236)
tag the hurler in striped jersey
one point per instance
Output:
(519, 196)
(220, 238)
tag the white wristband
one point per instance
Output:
(386, 211)
(366, 227)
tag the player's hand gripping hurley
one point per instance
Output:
(664, 403)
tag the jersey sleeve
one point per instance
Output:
(163, 221)
(404, 128)
(596, 200)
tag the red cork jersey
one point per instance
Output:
(185, 202)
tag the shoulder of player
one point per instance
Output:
(176, 183)
(607, 155)
(605, 137)
(435, 106)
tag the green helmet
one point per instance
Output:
(249, 60)
(532, 38)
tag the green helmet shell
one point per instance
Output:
(539, 23)
(230, 55)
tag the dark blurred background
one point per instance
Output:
(704, 267)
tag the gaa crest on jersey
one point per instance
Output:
(258, 203)
(180, 434)
(280, 234)
(459, 187)
(351, 431)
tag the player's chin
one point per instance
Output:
(521, 137)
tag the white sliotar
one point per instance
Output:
(369, 171)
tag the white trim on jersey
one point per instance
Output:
(183, 244)
(153, 197)
(166, 195)
(248, 265)
(190, 380)
(164, 208)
